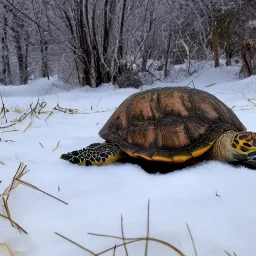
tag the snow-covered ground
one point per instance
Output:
(97, 196)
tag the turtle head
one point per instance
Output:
(244, 144)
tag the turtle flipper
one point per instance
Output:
(95, 154)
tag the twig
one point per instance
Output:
(192, 240)
(2, 163)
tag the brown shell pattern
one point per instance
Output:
(172, 124)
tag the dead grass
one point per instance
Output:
(35, 110)
(18, 110)
(66, 110)
(17, 179)
(3, 110)
(246, 107)
(126, 241)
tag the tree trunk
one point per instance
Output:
(121, 30)
(5, 55)
(43, 50)
(215, 45)
(167, 53)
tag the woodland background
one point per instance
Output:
(90, 42)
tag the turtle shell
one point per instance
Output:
(171, 124)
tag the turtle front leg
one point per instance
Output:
(95, 154)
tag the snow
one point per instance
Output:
(216, 200)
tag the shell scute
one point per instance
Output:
(171, 134)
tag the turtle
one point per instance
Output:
(174, 125)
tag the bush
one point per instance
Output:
(129, 80)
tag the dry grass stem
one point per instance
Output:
(21, 118)
(192, 82)
(40, 190)
(6, 207)
(20, 172)
(7, 140)
(146, 245)
(98, 102)
(80, 246)
(4, 110)
(251, 101)
(10, 131)
(137, 239)
(41, 144)
(127, 241)
(48, 116)
(230, 254)
(28, 126)
(114, 251)
(66, 110)
(15, 224)
(114, 247)
(33, 111)
(3, 127)
(191, 237)
(42, 105)
(6, 249)
(122, 231)
(56, 146)
(210, 85)
(244, 107)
